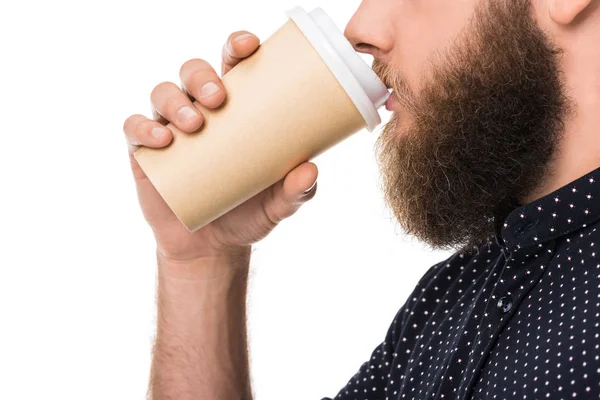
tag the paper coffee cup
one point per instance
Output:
(303, 91)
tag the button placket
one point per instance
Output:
(513, 284)
(467, 347)
(526, 270)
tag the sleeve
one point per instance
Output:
(372, 377)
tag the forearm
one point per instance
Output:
(200, 350)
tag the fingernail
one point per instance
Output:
(242, 37)
(185, 113)
(209, 89)
(158, 132)
(310, 188)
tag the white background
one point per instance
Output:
(77, 260)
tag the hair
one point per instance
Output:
(482, 131)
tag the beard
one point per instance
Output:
(480, 135)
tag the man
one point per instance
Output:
(493, 150)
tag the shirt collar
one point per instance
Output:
(572, 207)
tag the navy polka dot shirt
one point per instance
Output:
(519, 319)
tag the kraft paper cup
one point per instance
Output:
(303, 91)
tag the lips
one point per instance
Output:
(392, 103)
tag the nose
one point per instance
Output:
(369, 30)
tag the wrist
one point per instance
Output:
(216, 265)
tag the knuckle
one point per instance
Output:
(169, 100)
(129, 123)
(193, 64)
(172, 102)
(145, 127)
(195, 81)
(270, 218)
(161, 88)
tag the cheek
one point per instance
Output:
(424, 28)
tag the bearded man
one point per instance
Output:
(492, 150)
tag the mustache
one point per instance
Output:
(394, 79)
(383, 71)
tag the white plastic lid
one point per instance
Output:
(357, 78)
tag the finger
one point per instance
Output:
(141, 131)
(238, 46)
(299, 186)
(201, 81)
(175, 106)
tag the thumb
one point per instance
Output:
(298, 186)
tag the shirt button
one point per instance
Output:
(504, 304)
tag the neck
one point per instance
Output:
(579, 151)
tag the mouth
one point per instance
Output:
(392, 102)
